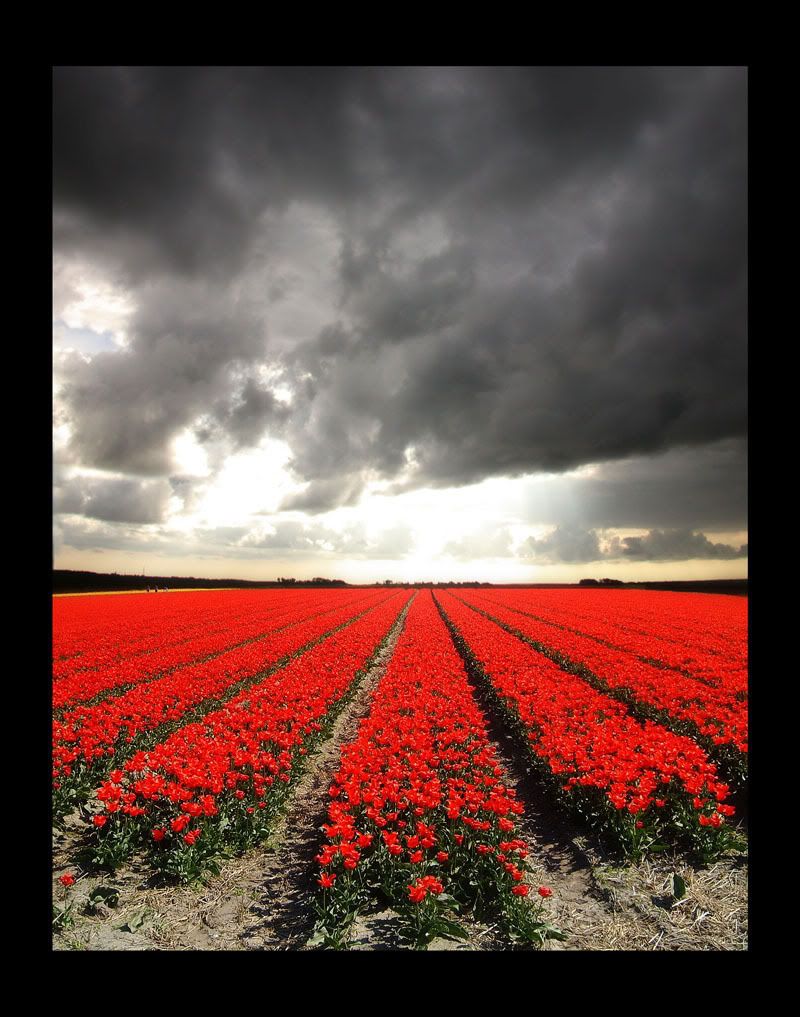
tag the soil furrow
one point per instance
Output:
(283, 917)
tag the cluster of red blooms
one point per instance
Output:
(586, 737)
(704, 635)
(718, 711)
(90, 632)
(418, 890)
(229, 762)
(192, 629)
(98, 735)
(419, 792)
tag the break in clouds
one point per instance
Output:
(417, 278)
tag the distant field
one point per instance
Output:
(378, 767)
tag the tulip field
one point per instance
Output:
(406, 752)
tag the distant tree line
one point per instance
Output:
(735, 587)
(601, 582)
(69, 581)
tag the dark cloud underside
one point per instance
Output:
(571, 545)
(529, 269)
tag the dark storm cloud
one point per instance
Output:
(244, 415)
(537, 267)
(168, 168)
(569, 544)
(118, 500)
(604, 310)
(672, 545)
(188, 348)
(703, 487)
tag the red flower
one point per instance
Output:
(159, 834)
(545, 891)
(416, 892)
(326, 880)
(520, 890)
(67, 879)
(100, 820)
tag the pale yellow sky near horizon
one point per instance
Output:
(500, 570)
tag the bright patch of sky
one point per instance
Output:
(250, 484)
(83, 340)
(85, 299)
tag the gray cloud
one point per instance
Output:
(353, 542)
(89, 535)
(566, 544)
(570, 544)
(537, 268)
(323, 495)
(244, 415)
(187, 351)
(672, 545)
(120, 500)
(702, 487)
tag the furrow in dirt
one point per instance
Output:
(283, 917)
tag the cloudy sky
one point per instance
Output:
(407, 323)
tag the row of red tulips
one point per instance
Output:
(715, 713)
(88, 741)
(420, 815)
(714, 655)
(190, 637)
(634, 781)
(101, 628)
(216, 784)
(144, 629)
